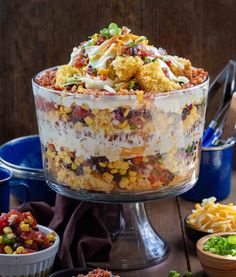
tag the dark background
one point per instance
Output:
(36, 34)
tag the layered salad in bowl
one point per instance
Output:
(121, 116)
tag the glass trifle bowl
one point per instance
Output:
(122, 122)
(121, 145)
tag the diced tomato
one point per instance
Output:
(144, 53)
(165, 72)
(168, 62)
(3, 223)
(103, 77)
(138, 160)
(28, 216)
(2, 248)
(41, 239)
(79, 62)
(152, 178)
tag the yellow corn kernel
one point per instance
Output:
(127, 127)
(1, 239)
(88, 120)
(103, 71)
(140, 96)
(113, 171)
(25, 227)
(132, 179)
(124, 165)
(52, 155)
(140, 180)
(73, 166)
(102, 164)
(132, 173)
(7, 230)
(29, 241)
(20, 250)
(81, 159)
(87, 169)
(62, 109)
(117, 164)
(67, 160)
(76, 161)
(65, 117)
(85, 107)
(126, 112)
(8, 249)
(110, 165)
(51, 237)
(123, 125)
(11, 236)
(145, 159)
(95, 111)
(68, 109)
(123, 171)
(124, 182)
(30, 219)
(107, 177)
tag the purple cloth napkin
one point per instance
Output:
(81, 227)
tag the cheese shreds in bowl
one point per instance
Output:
(213, 217)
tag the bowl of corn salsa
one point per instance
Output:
(217, 254)
(26, 248)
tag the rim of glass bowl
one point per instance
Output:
(122, 97)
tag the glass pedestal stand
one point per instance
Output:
(135, 244)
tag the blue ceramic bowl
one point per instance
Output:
(23, 156)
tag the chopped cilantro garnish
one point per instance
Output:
(111, 31)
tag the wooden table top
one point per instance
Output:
(166, 217)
